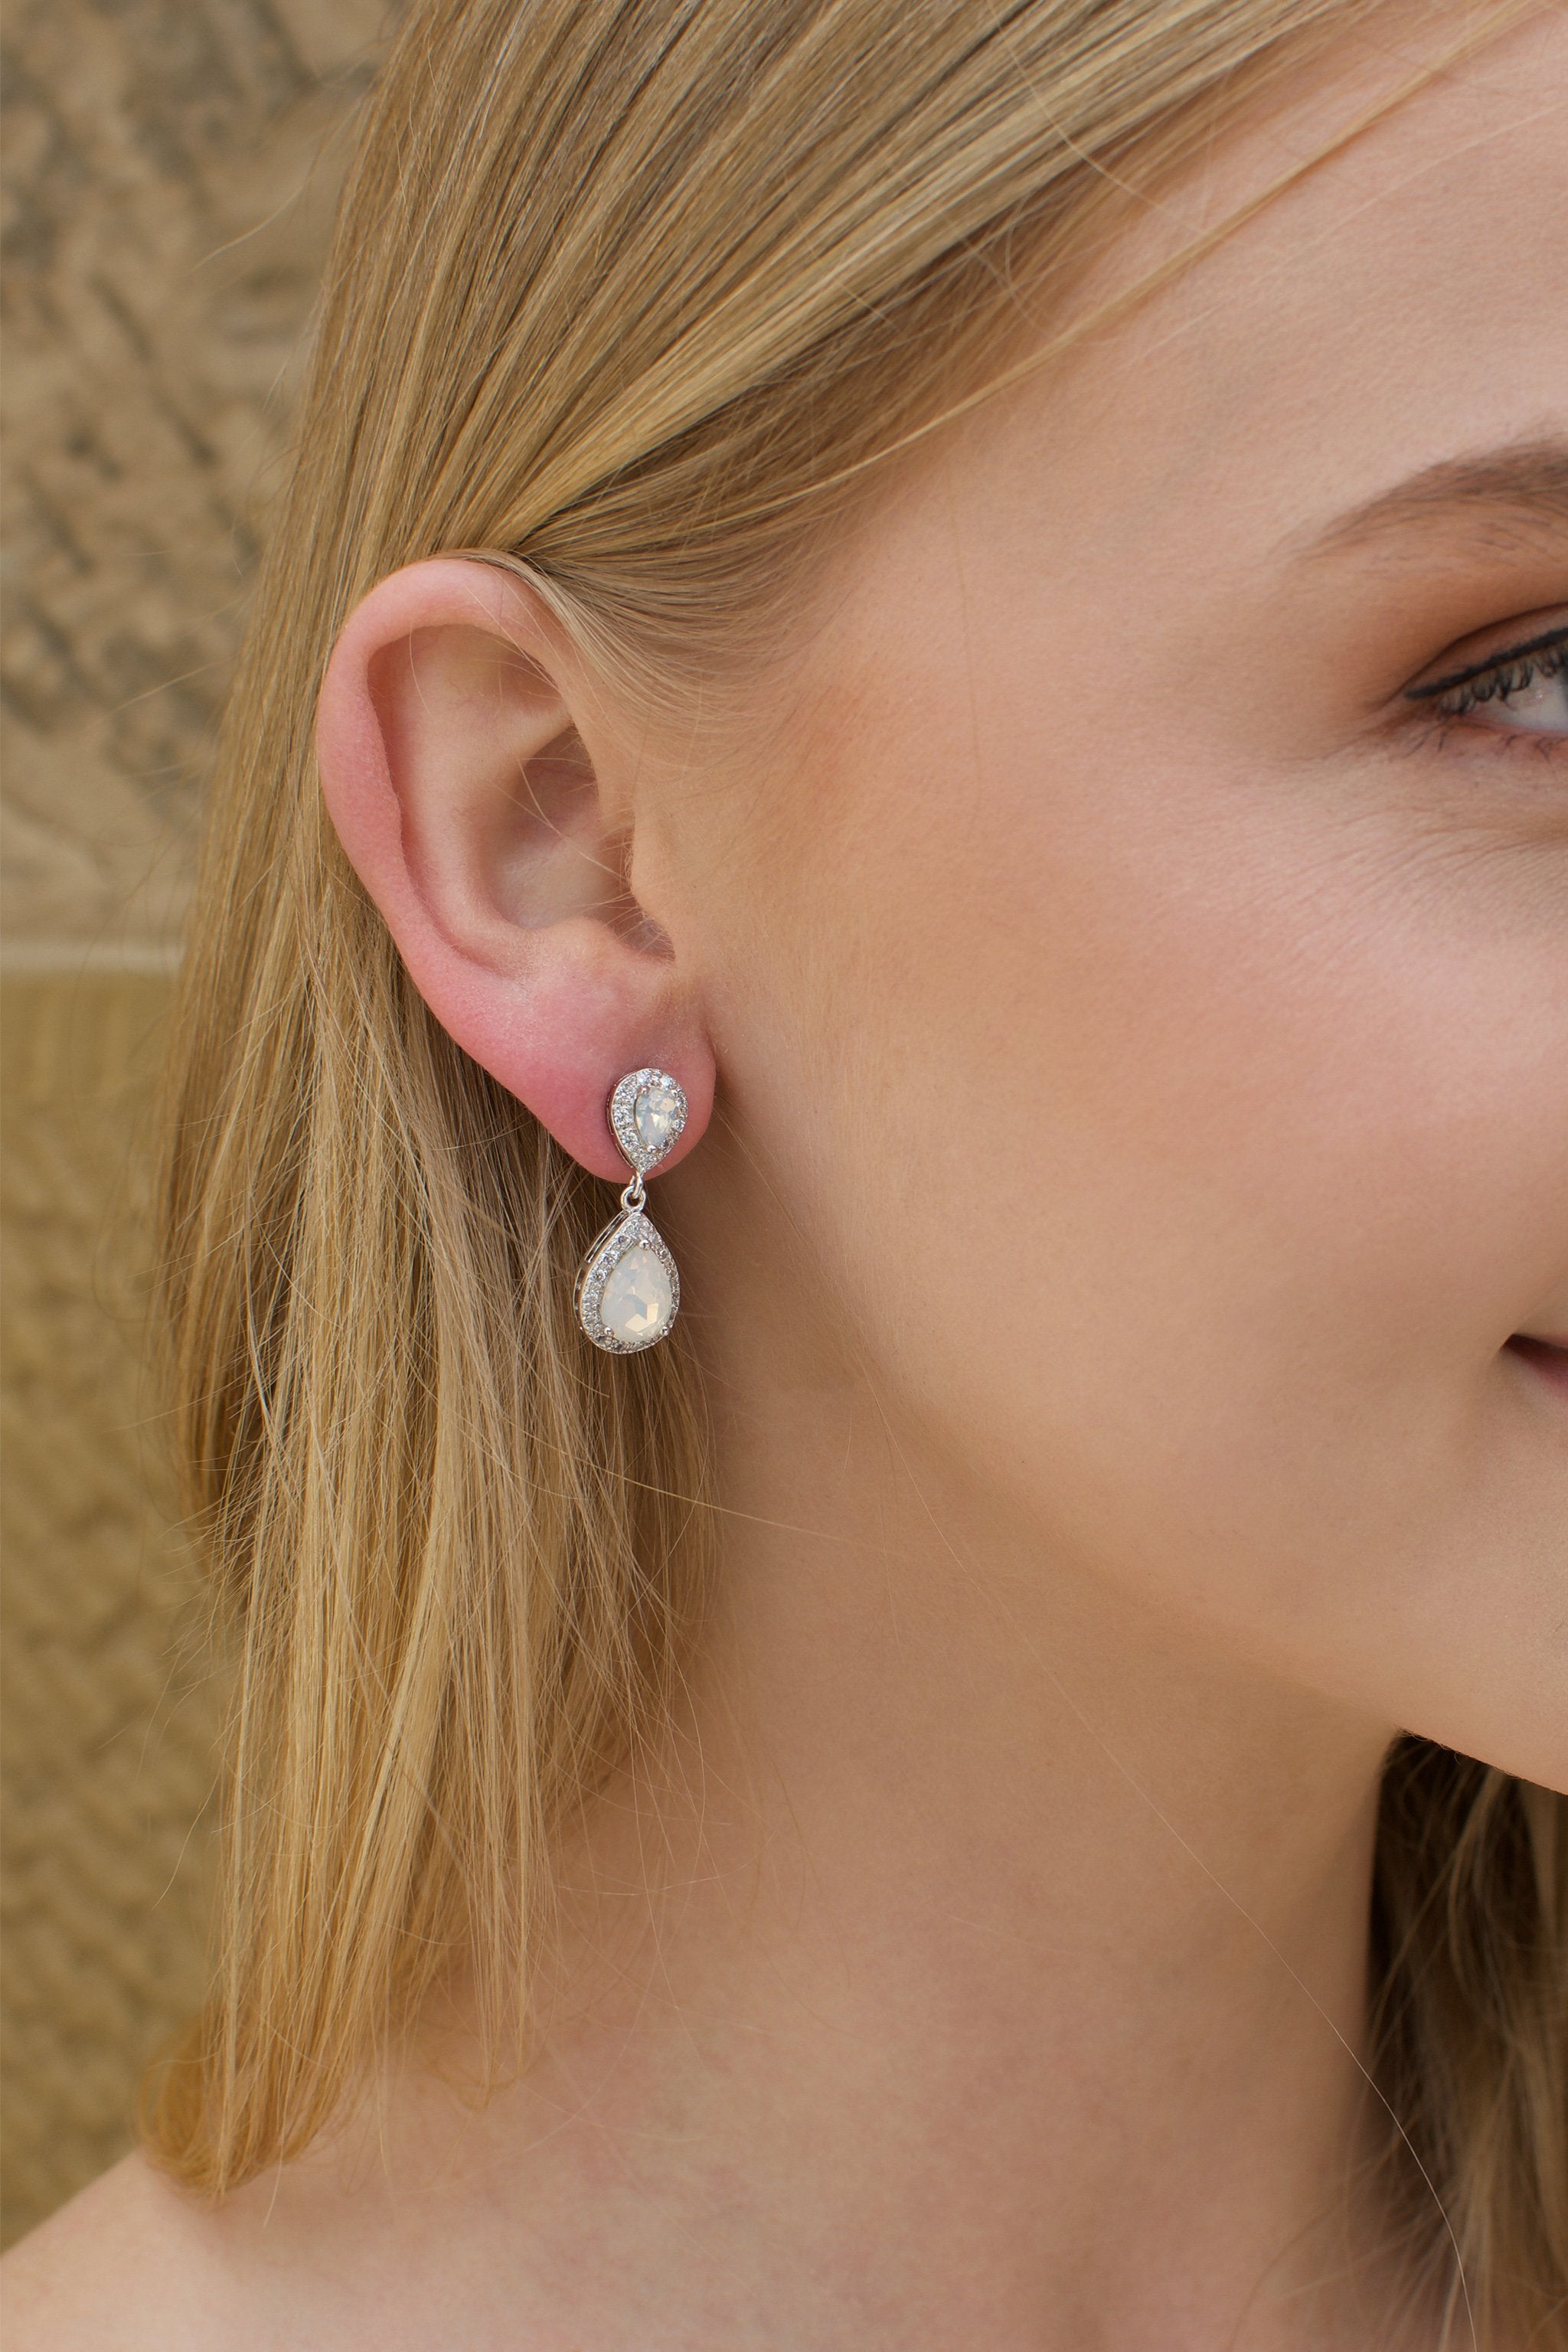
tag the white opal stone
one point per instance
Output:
(635, 1301)
(657, 1112)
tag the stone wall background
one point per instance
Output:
(170, 172)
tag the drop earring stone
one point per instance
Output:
(636, 1304)
(629, 1289)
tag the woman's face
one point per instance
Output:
(1190, 1142)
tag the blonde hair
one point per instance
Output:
(632, 299)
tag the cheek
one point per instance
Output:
(1189, 1156)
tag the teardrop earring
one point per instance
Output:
(628, 1291)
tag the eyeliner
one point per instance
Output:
(1499, 660)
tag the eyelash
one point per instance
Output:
(1511, 673)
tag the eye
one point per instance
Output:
(1520, 690)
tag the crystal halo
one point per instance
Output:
(628, 1293)
(648, 1114)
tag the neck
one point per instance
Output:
(980, 1961)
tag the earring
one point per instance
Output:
(628, 1291)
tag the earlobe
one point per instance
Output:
(459, 753)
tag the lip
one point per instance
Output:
(1546, 1357)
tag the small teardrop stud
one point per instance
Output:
(628, 1290)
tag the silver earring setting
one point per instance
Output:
(628, 1291)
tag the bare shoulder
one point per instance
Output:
(130, 2263)
(392, 2233)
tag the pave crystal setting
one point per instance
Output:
(648, 1114)
(628, 1293)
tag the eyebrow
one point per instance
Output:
(1527, 482)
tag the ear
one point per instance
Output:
(457, 740)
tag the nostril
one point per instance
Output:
(1547, 1358)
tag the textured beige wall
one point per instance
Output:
(168, 199)
(106, 1743)
(170, 171)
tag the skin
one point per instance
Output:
(984, 1962)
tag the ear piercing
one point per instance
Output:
(628, 1291)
